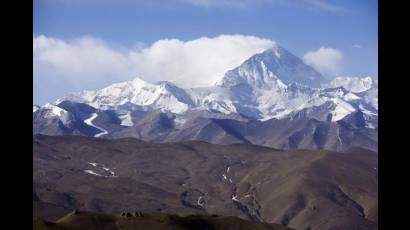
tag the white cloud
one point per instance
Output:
(328, 61)
(90, 63)
(80, 61)
(200, 62)
(324, 5)
(230, 3)
(318, 4)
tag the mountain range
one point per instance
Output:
(272, 99)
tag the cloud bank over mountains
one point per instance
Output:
(90, 63)
(199, 62)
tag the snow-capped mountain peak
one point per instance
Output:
(263, 70)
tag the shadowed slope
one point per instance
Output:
(151, 221)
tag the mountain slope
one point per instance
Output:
(153, 221)
(301, 189)
(304, 129)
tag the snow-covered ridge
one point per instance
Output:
(53, 111)
(353, 84)
(35, 108)
(165, 96)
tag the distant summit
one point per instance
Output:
(273, 66)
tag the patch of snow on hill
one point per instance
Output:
(126, 119)
(89, 122)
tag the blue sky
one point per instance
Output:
(301, 26)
